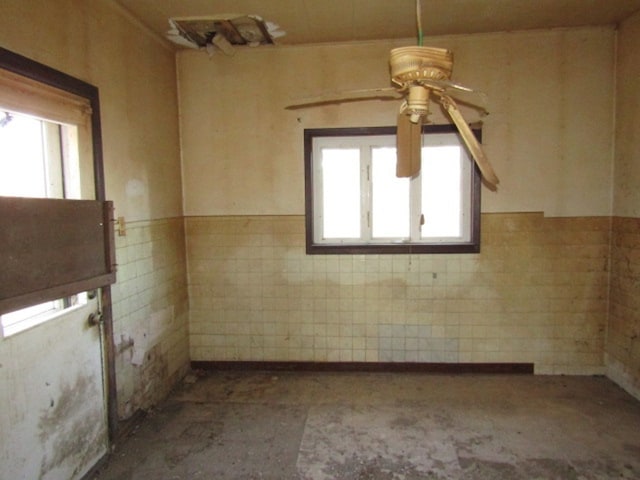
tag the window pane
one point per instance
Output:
(341, 192)
(390, 196)
(441, 191)
(20, 320)
(31, 166)
(9, 319)
(22, 163)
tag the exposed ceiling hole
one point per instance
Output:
(222, 32)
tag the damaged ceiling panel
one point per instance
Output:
(223, 32)
(330, 21)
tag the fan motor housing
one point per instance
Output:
(412, 64)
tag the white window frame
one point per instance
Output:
(365, 139)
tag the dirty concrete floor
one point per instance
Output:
(316, 426)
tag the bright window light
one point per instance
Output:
(390, 197)
(341, 193)
(441, 191)
(23, 172)
(33, 164)
(357, 204)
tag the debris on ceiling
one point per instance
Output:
(222, 32)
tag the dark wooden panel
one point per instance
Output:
(50, 248)
(393, 367)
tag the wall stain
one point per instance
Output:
(152, 378)
(71, 431)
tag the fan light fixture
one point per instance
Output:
(419, 74)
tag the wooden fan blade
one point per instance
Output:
(470, 140)
(346, 96)
(408, 147)
(463, 94)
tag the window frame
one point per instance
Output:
(70, 88)
(58, 181)
(44, 74)
(312, 247)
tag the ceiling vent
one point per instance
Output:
(222, 32)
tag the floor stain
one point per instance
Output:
(378, 468)
(323, 426)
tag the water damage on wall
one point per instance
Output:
(150, 314)
(72, 429)
(144, 363)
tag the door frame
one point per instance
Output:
(44, 74)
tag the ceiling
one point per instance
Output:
(320, 21)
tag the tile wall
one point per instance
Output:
(623, 336)
(536, 293)
(150, 310)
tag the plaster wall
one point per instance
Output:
(538, 290)
(135, 73)
(549, 133)
(623, 341)
(627, 139)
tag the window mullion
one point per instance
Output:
(365, 188)
(52, 159)
(317, 194)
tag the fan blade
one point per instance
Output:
(346, 96)
(472, 143)
(445, 84)
(461, 93)
(408, 146)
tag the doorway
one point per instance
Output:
(56, 349)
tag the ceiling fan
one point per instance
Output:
(419, 74)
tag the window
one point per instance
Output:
(38, 159)
(356, 204)
(51, 248)
(20, 320)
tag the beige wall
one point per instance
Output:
(136, 77)
(536, 293)
(627, 155)
(549, 134)
(623, 341)
(150, 312)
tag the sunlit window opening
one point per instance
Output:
(38, 159)
(441, 191)
(358, 199)
(390, 195)
(341, 203)
(20, 320)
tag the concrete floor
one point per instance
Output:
(320, 426)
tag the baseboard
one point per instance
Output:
(378, 367)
